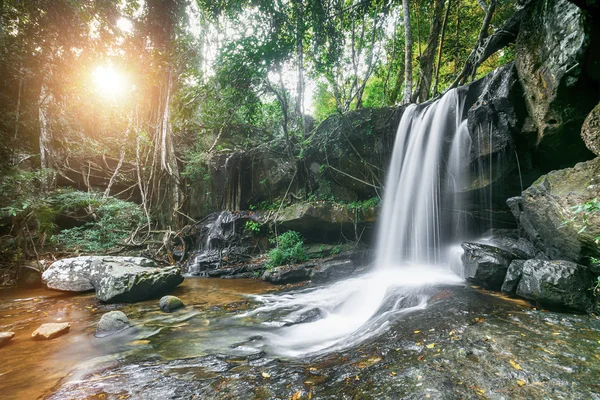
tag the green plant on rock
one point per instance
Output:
(290, 250)
(252, 226)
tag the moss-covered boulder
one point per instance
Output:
(546, 212)
(326, 221)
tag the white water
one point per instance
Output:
(421, 217)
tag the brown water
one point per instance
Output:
(29, 369)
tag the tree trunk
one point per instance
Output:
(399, 81)
(427, 59)
(457, 39)
(300, 59)
(439, 56)
(45, 140)
(407, 52)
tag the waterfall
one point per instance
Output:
(421, 217)
(420, 208)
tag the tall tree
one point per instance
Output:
(440, 50)
(426, 60)
(408, 70)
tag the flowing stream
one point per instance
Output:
(421, 217)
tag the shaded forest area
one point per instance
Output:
(111, 112)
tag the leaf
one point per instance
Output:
(521, 382)
(515, 365)
(415, 332)
(266, 375)
(431, 346)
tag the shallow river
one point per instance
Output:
(467, 343)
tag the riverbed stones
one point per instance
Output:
(485, 264)
(115, 279)
(288, 274)
(170, 303)
(112, 322)
(5, 337)
(51, 330)
(556, 283)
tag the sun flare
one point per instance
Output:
(110, 82)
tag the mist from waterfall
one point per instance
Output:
(421, 217)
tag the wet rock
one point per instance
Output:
(288, 274)
(590, 132)
(513, 276)
(485, 264)
(5, 337)
(553, 48)
(510, 240)
(556, 284)
(309, 316)
(112, 322)
(332, 270)
(545, 212)
(51, 330)
(170, 303)
(115, 279)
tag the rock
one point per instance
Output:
(115, 279)
(513, 276)
(118, 282)
(5, 337)
(311, 315)
(322, 221)
(170, 303)
(332, 270)
(590, 132)
(51, 330)
(485, 265)
(112, 322)
(510, 240)
(556, 284)
(552, 52)
(545, 212)
(288, 274)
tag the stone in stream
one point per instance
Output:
(288, 274)
(5, 337)
(485, 264)
(112, 322)
(170, 303)
(115, 279)
(51, 330)
(556, 284)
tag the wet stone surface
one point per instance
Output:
(467, 344)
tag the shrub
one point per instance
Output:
(290, 250)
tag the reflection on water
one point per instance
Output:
(30, 369)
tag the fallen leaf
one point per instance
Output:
(393, 373)
(451, 333)
(266, 375)
(515, 365)
(417, 332)
(431, 346)
(419, 358)
(297, 395)
(521, 382)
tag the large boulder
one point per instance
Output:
(546, 212)
(555, 284)
(288, 273)
(554, 48)
(590, 132)
(115, 279)
(485, 264)
(325, 221)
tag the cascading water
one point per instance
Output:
(421, 215)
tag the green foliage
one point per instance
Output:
(586, 210)
(115, 221)
(252, 226)
(363, 205)
(290, 250)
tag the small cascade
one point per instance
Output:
(215, 240)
